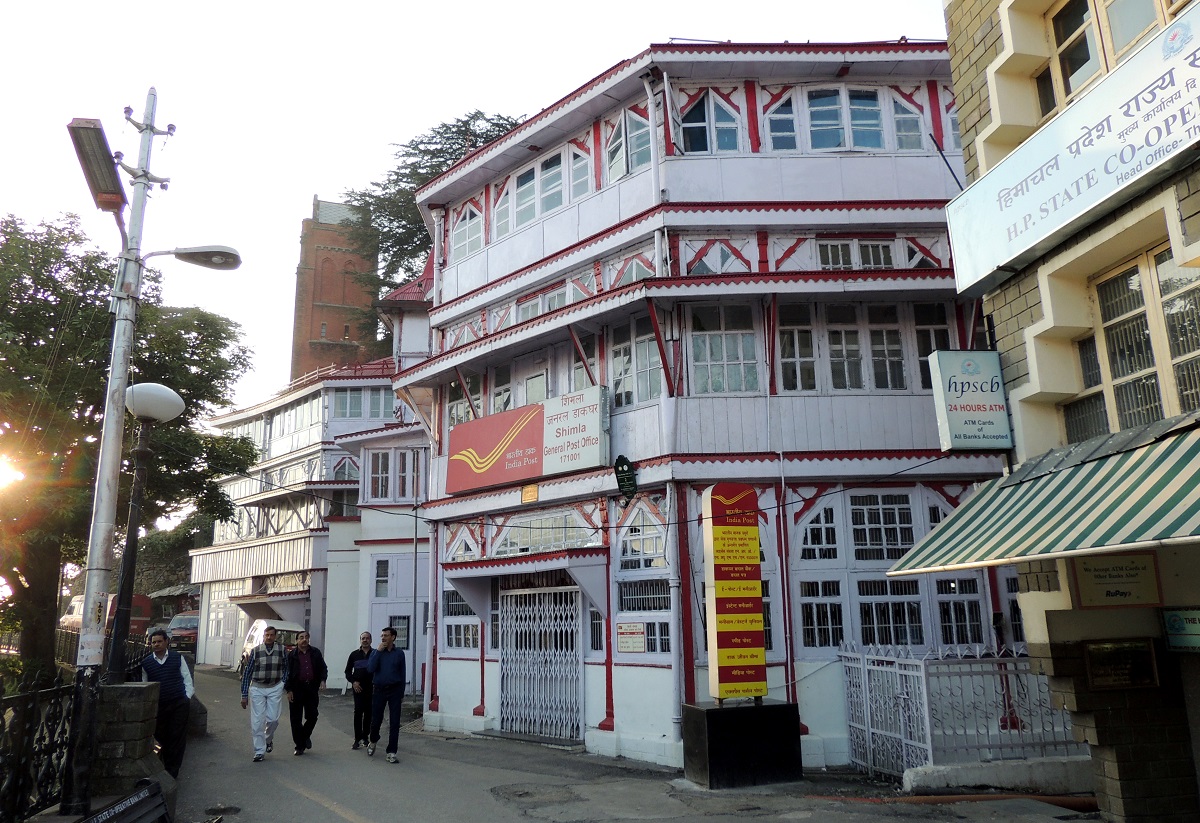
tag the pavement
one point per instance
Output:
(460, 777)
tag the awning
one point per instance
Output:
(287, 605)
(587, 567)
(1136, 489)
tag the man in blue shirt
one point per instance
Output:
(388, 675)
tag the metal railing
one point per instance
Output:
(35, 725)
(951, 706)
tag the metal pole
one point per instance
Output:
(413, 625)
(77, 772)
(115, 672)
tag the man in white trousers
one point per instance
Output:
(262, 689)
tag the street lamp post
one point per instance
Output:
(100, 168)
(150, 403)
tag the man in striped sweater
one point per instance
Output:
(262, 689)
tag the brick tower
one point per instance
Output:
(328, 298)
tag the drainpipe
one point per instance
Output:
(439, 217)
(677, 651)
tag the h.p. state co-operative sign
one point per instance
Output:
(562, 434)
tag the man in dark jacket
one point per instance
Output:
(306, 675)
(175, 690)
(360, 683)
(386, 666)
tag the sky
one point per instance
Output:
(276, 103)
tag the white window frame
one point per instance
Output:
(466, 238)
(380, 479)
(716, 342)
(850, 140)
(627, 148)
(713, 130)
(635, 362)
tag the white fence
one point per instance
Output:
(949, 708)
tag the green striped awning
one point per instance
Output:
(1133, 490)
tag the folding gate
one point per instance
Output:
(541, 663)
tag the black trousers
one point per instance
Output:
(362, 712)
(170, 730)
(389, 697)
(303, 712)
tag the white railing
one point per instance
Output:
(952, 706)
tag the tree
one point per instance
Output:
(390, 228)
(55, 339)
(163, 555)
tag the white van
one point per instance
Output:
(287, 634)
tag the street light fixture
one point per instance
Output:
(150, 403)
(99, 167)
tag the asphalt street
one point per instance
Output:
(450, 777)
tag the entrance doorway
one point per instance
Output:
(541, 663)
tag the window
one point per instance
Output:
(537, 190)
(347, 403)
(462, 626)
(581, 367)
(381, 578)
(959, 611)
(595, 630)
(502, 224)
(501, 389)
(636, 364)
(933, 334)
(724, 355)
(647, 595)
(909, 127)
(581, 174)
(643, 543)
(549, 532)
(845, 353)
(1089, 37)
(797, 354)
(881, 526)
(845, 119)
(380, 463)
(658, 636)
(843, 255)
(628, 147)
(887, 355)
(379, 402)
(324, 330)
(345, 470)
(1143, 362)
(467, 235)
(551, 183)
(821, 622)
(890, 613)
(781, 126)
(820, 537)
(459, 403)
(709, 126)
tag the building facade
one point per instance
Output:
(1081, 229)
(327, 442)
(329, 298)
(718, 262)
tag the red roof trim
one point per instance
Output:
(685, 208)
(525, 559)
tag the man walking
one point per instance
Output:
(386, 666)
(262, 688)
(170, 671)
(360, 683)
(306, 675)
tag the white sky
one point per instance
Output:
(276, 103)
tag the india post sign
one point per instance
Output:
(737, 662)
(565, 433)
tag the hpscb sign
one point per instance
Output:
(968, 397)
(565, 433)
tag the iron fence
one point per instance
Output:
(951, 706)
(35, 725)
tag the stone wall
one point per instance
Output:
(125, 751)
(975, 40)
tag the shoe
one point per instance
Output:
(258, 758)
(270, 746)
(366, 742)
(308, 743)
(298, 752)
(391, 758)
(357, 744)
(370, 750)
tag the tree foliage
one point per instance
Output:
(393, 231)
(55, 340)
(163, 555)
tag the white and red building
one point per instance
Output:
(722, 262)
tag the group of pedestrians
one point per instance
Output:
(377, 677)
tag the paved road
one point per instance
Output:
(446, 777)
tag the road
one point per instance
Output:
(449, 777)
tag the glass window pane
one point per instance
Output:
(706, 318)
(1127, 19)
(1120, 295)
(1171, 276)
(1128, 344)
(1183, 323)
(738, 317)
(1138, 401)
(1187, 378)
(1069, 20)
(1079, 61)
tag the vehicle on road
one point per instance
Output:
(183, 631)
(139, 615)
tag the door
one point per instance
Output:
(541, 663)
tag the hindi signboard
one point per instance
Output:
(564, 433)
(1127, 132)
(733, 605)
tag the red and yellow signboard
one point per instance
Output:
(561, 434)
(737, 663)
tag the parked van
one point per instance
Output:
(286, 634)
(183, 631)
(139, 615)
